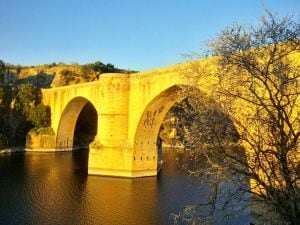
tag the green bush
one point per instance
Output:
(3, 141)
(40, 116)
(1, 94)
(26, 98)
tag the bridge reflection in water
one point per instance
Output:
(43, 188)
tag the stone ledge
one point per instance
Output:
(122, 173)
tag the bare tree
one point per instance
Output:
(259, 87)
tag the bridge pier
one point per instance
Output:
(117, 161)
(111, 153)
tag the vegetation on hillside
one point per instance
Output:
(20, 111)
(75, 73)
(191, 118)
(55, 74)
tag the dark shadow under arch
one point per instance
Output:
(78, 124)
(145, 152)
(147, 144)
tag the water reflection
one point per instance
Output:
(42, 188)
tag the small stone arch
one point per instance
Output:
(67, 123)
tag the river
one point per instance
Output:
(54, 188)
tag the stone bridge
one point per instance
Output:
(130, 109)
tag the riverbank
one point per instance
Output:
(22, 149)
(11, 150)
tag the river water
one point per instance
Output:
(54, 188)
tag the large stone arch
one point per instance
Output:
(67, 123)
(145, 140)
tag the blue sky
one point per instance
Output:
(131, 34)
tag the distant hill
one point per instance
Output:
(55, 74)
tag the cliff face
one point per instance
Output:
(49, 76)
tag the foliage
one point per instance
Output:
(69, 76)
(202, 126)
(2, 98)
(270, 85)
(2, 64)
(13, 67)
(101, 67)
(87, 72)
(40, 116)
(26, 98)
(2, 70)
(259, 78)
(3, 141)
(199, 120)
(23, 127)
(20, 111)
(51, 65)
(1, 94)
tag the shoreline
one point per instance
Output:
(45, 150)
(11, 150)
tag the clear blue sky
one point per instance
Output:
(131, 34)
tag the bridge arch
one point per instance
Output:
(145, 151)
(68, 123)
